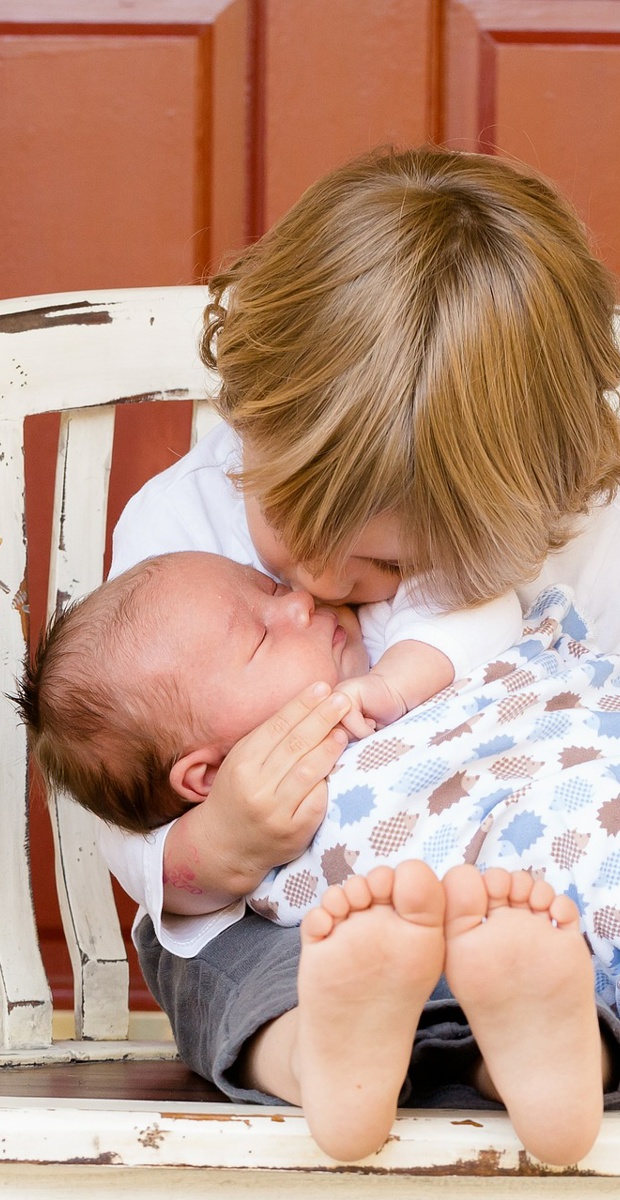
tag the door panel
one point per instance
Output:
(541, 82)
(336, 77)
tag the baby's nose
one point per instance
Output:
(298, 606)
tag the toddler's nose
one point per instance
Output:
(330, 585)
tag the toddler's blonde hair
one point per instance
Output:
(425, 334)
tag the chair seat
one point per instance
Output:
(129, 1080)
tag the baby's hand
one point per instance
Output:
(374, 703)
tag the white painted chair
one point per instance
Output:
(81, 355)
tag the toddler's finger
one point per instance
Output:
(300, 724)
(302, 738)
(309, 815)
(308, 771)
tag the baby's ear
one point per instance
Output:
(192, 776)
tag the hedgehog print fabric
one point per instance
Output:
(517, 766)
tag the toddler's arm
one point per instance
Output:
(424, 653)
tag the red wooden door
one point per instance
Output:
(141, 141)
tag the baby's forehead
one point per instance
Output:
(244, 578)
(194, 568)
(221, 583)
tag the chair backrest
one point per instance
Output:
(80, 355)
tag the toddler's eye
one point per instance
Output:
(392, 568)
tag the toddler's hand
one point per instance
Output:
(270, 794)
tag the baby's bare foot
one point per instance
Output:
(521, 971)
(371, 955)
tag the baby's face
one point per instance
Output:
(246, 645)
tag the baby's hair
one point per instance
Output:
(99, 726)
(425, 334)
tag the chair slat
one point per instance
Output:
(90, 921)
(204, 418)
(91, 926)
(80, 504)
(25, 1000)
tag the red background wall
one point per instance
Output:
(143, 140)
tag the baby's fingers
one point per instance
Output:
(357, 724)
